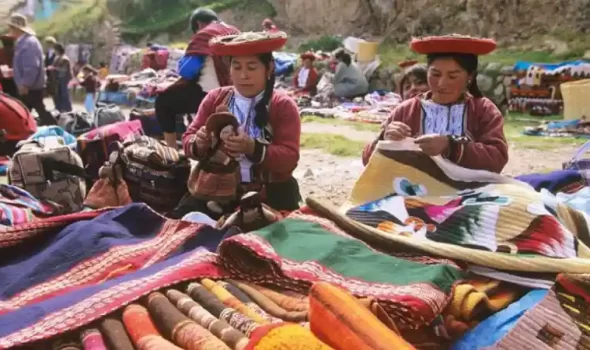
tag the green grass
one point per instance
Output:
(515, 123)
(331, 121)
(333, 144)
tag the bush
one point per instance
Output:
(324, 43)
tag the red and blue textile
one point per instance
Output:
(58, 280)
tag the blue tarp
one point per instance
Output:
(524, 65)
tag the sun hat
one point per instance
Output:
(20, 22)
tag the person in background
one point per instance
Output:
(199, 71)
(28, 68)
(349, 82)
(413, 82)
(103, 71)
(6, 57)
(49, 50)
(90, 83)
(62, 66)
(307, 77)
(269, 26)
(267, 145)
(453, 120)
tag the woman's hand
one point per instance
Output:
(397, 131)
(203, 139)
(433, 145)
(240, 144)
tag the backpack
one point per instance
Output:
(76, 123)
(53, 174)
(155, 173)
(96, 145)
(15, 119)
(106, 114)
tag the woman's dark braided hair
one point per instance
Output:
(469, 62)
(261, 108)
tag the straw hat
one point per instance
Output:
(50, 40)
(20, 22)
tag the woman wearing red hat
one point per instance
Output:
(307, 77)
(453, 119)
(267, 142)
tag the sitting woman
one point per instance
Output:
(306, 79)
(349, 81)
(453, 119)
(266, 144)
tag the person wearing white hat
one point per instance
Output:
(28, 67)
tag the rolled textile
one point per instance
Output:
(210, 302)
(286, 302)
(235, 291)
(285, 336)
(179, 328)
(230, 300)
(341, 321)
(232, 337)
(142, 330)
(270, 306)
(115, 335)
(92, 340)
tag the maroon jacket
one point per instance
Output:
(488, 149)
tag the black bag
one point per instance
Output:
(76, 123)
(106, 114)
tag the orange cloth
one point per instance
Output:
(341, 321)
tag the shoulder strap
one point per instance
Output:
(51, 165)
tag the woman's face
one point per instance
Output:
(447, 80)
(249, 75)
(307, 63)
(413, 86)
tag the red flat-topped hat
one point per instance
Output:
(407, 64)
(453, 43)
(248, 43)
(308, 56)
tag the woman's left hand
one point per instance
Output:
(433, 145)
(240, 144)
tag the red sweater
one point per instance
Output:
(312, 80)
(488, 149)
(279, 158)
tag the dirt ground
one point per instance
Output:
(329, 177)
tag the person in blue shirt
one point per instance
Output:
(199, 71)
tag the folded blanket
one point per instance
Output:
(281, 255)
(405, 198)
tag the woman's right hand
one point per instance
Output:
(397, 131)
(203, 139)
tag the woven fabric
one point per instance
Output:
(251, 304)
(92, 339)
(178, 327)
(286, 336)
(210, 302)
(18, 206)
(279, 255)
(231, 301)
(341, 321)
(142, 330)
(115, 335)
(479, 217)
(232, 337)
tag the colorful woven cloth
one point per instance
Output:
(115, 335)
(210, 302)
(182, 330)
(285, 336)
(92, 340)
(270, 306)
(430, 204)
(281, 255)
(230, 300)
(18, 206)
(142, 330)
(97, 267)
(285, 301)
(233, 338)
(341, 321)
(560, 321)
(251, 304)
